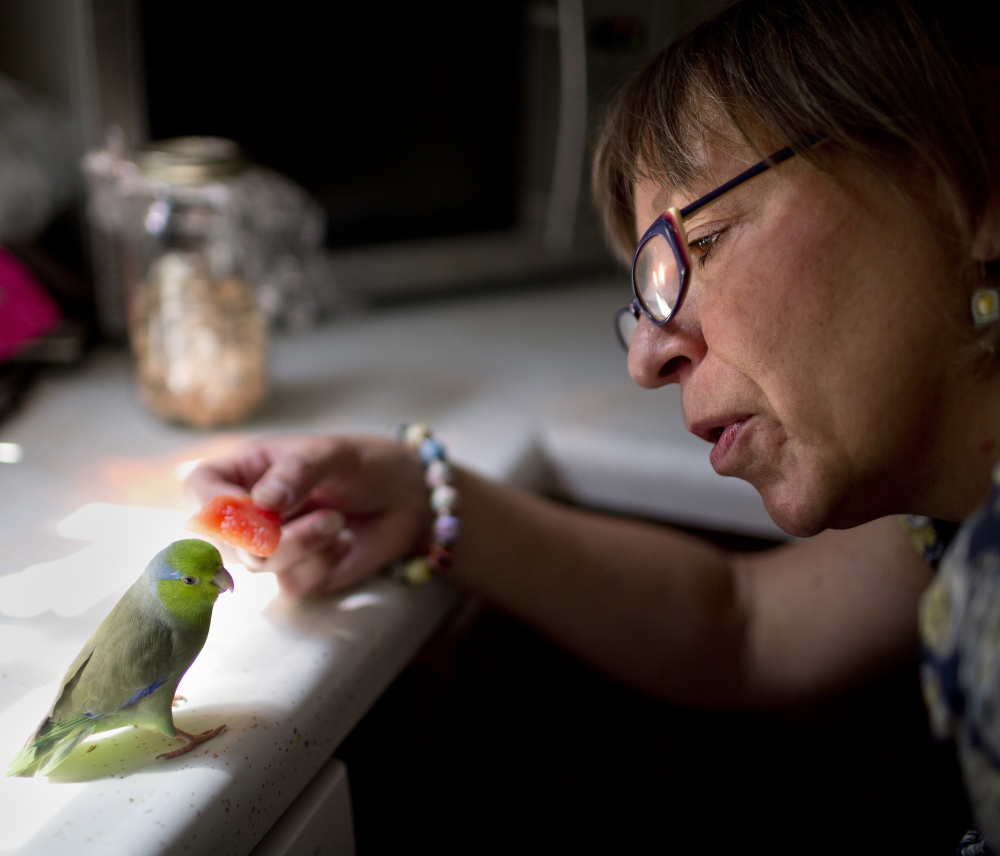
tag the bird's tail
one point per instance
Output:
(50, 746)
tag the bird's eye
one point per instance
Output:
(189, 581)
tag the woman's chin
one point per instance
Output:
(794, 524)
(802, 512)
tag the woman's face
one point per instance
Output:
(815, 344)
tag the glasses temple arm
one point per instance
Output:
(773, 160)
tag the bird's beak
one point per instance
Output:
(223, 580)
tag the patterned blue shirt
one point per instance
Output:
(960, 627)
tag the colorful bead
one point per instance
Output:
(417, 571)
(431, 450)
(446, 529)
(443, 499)
(438, 473)
(439, 557)
(414, 433)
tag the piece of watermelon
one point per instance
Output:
(239, 522)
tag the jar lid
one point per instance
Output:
(189, 160)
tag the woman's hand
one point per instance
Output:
(349, 504)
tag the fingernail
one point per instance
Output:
(330, 524)
(272, 494)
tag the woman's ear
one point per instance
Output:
(986, 242)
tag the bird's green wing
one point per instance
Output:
(54, 740)
(131, 656)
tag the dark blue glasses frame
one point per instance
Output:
(670, 225)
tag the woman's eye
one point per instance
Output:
(702, 248)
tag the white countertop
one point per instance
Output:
(531, 388)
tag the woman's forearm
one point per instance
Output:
(654, 607)
(684, 620)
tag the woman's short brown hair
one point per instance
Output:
(887, 81)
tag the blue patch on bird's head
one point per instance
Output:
(187, 577)
(160, 569)
(187, 557)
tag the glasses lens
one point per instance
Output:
(657, 278)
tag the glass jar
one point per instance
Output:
(194, 322)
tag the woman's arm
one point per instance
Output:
(659, 609)
(686, 621)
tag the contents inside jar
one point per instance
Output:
(200, 343)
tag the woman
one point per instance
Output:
(834, 339)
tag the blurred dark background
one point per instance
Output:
(404, 124)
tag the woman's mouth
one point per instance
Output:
(724, 437)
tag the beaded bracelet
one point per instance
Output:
(444, 498)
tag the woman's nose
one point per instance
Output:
(658, 356)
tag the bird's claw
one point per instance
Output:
(190, 741)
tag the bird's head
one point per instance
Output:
(187, 577)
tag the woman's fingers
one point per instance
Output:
(310, 549)
(350, 505)
(279, 473)
(295, 470)
(311, 575)
(305, 536)
(375, 543)
(315, 557)
(207, 480)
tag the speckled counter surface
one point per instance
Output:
(529, 387)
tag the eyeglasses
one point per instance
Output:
(661, 266)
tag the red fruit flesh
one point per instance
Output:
(239, 522)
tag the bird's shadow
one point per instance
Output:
(126, 751)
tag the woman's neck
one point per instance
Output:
(967, 448)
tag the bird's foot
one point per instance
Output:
(190, 741)
(177, 700)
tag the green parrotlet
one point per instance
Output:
(128, 671)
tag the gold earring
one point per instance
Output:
(985, 302)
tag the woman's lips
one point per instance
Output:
(727, 436)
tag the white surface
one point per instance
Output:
(624, 448)
(320, 823)
(525, 388)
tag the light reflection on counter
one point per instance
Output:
(35, 813)
(11, 453)
(359, 601)
(73, 584)
(104, 521)
(124, 539)
(52, 594)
